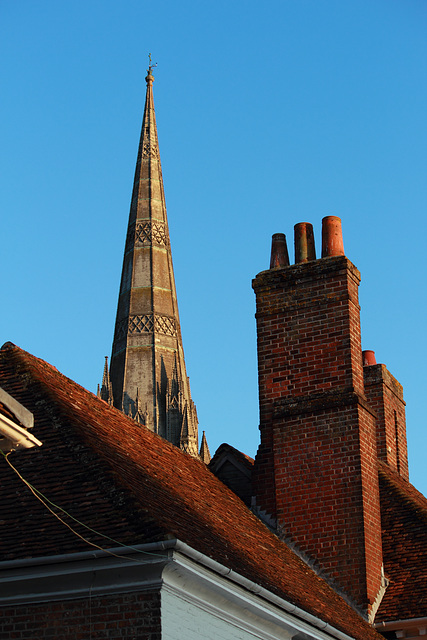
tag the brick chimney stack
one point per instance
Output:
(385, 395)
(315, 470)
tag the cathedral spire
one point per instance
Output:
(147, 360)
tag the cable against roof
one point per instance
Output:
(46, 502)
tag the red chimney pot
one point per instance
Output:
(368, 358)
(332, 242)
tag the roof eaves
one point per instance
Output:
(413, 624)
(13, 435)
(23, 574)
(21, 414)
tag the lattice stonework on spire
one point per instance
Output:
(148, 376)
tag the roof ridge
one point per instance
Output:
(31, 361)
(229, 447)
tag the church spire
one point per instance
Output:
(147, 360)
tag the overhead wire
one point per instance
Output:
(46, 502)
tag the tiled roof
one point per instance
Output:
(131, 484)
(64, 469)
(404, 534)
(225, 448)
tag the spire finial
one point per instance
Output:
(151, 66)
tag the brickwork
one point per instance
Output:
(385, 395)
(315, 470)
(319, 306)
(132, 616)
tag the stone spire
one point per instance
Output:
(204, 453)
(105, 391)
(148, 377)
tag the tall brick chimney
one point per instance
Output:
(315, 470)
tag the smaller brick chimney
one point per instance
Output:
(385, 395)
(315, 471)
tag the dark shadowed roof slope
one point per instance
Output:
(65, 470)
(234, 469)
(404, 535)
(132, 485)
(225, 448)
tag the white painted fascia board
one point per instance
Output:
(253, 597)
(16, 436)
(24, 416)
(250, 620)
(202, 589)
(148, 566)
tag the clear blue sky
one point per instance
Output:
(268, 114)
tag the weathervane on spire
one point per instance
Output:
(150, 65)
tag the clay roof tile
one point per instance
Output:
(128, 483)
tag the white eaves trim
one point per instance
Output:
(12, 436)
(173, 567)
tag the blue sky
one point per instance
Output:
(268, 115)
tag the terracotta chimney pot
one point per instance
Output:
(279, 251)
(304, 242)
(368, 358)
(332, 242)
